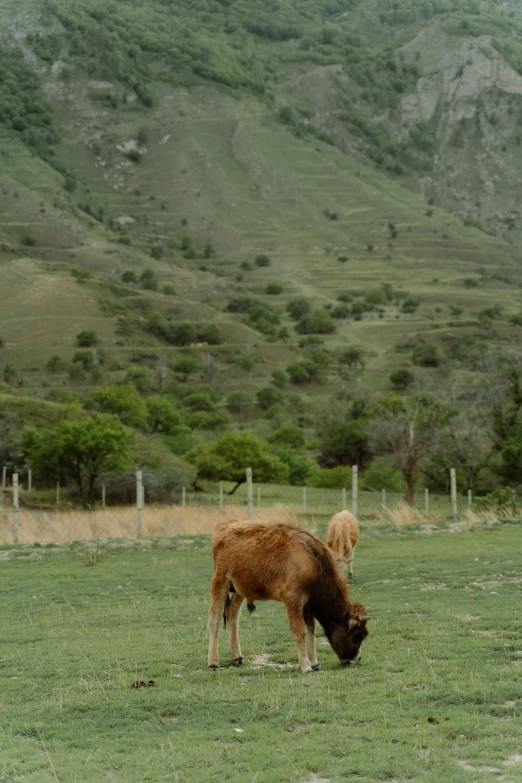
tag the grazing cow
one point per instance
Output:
(342, 535)
(258, 561)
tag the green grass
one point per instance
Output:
(436, 697)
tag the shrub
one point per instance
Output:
(213, 420)
(262, 260)
(316, 322)
(268, 396)
(410, 305)
(274, 289)
(297, 308)
(85, 358)
(376, 297)
(156, 252)
(426, 355)
(87, 338)
(209, 333)
(134, 155)
(332, 478)
(382, 475)
(169, 290)
(402, 379)
(148, 280)
(28, 240)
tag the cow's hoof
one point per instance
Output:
(316, 668)
(306, 669)
(214, 668)
(237, 662)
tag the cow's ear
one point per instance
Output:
(351, 623)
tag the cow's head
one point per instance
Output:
(348, 636)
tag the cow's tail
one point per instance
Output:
(228, 600)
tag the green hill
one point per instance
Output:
(248, 156)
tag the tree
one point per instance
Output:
(129, 277)
(426, 355)
(274, 289)
(349, 444)
(353, 358)
(162, 416)
(53, 364)
(297, 308)
(289, 435)
(228, 458)
(9, 373)
(11, 454)
(141, 377)
(187, 365)
(80, 450)
(408, 436)
(149, 280)
(410, 305)
(86, 338)
(125, 402)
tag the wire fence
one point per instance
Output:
(27, 518)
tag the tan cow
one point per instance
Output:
(342, 535)
(259, 561)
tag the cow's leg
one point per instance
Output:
(350, 566)
(310, 643)
(220, 588)
(298, 627)
(234, 611)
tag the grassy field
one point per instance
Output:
(437, 695)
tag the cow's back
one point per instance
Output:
(261, 558)
(342, 534)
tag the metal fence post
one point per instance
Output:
(250, 493)
(343, 506)
(384, 500)
(183, 496)
(354, 489)
(427, 501)
(57, 493)
(453, 481)
(139, 503)
(15, 507)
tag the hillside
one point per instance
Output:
(236, 155)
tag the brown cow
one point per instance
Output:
(258, 561)
(342, 535)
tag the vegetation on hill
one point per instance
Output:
(195, 261)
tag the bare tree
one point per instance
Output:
(409, 436)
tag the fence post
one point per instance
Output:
(250, 493)
(453, 481)
(384, 500)
(15, 507)
(139, 503)
(183, 496)
(427, 501)
(304, 498)
(221, 497)
(343, 506)
(103, 495)
(57, 493)
(354, 490)
(29, 480)
(4, 476)
(470, 497)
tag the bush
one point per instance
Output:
(410, 305)
(332, 478)
(169, 290)
(262, 260)
(161, 486)
(134, 155)
(87, 338)
(268, 396)
(28, 240)
(298, 308)
(316, 322)
(426, 355)
(129, 277)
(402, 379)
(274, 289)
(148, 280)
(382, 475)
(213, 420)
(156, 252)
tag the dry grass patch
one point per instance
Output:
(46, 527)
